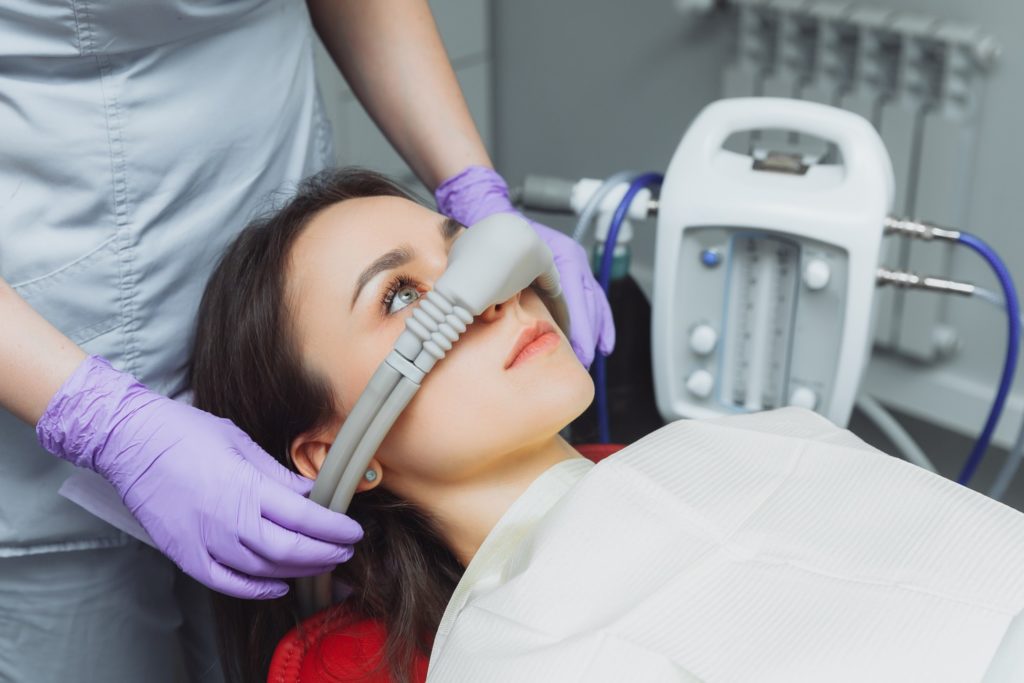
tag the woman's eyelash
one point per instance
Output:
(396, 284)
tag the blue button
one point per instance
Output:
(710, 257)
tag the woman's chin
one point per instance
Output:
(564, 397)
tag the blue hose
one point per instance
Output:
(1012, 350)
(605, 278)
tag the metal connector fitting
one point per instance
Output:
(898, 278)
(918, 229)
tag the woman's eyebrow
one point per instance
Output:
(388, 261)
(400, 256)
(449, 229)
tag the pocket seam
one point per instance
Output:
(42, 282)
(87, 334)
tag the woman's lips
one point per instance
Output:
(533, 340)
(545, 342)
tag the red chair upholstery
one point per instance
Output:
(598, 451)
(351, 654)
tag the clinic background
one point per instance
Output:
(586, 88)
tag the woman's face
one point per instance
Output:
(355, 275)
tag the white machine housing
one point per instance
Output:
(764, 280)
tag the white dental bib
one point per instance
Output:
(770, 547)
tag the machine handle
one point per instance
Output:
(855, 137)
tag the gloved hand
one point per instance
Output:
(479, 192)
(212, 500)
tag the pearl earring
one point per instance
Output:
(371, 475)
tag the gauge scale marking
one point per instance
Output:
(763, 286)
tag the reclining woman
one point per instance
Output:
(766, 547)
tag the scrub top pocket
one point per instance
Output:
(80, 297)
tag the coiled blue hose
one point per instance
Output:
(604, 278)
(1012, 350)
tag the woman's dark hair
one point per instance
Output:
(246, 366)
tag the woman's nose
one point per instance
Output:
(495, 311)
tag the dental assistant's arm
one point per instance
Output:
(392, 56)
(35, 358)
(212, 500)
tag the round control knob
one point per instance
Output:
(803, 397)
(703, 339)
(817, 273)
(710, 258)
(700, 383)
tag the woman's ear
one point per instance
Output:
(308, 452)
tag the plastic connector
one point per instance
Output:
(545, 193)
(558, 195)
(641, 206)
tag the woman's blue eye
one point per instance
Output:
(404, 296)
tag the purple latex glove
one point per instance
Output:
(212, 500)
(479, 192)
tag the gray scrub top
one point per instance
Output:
(137, 137)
